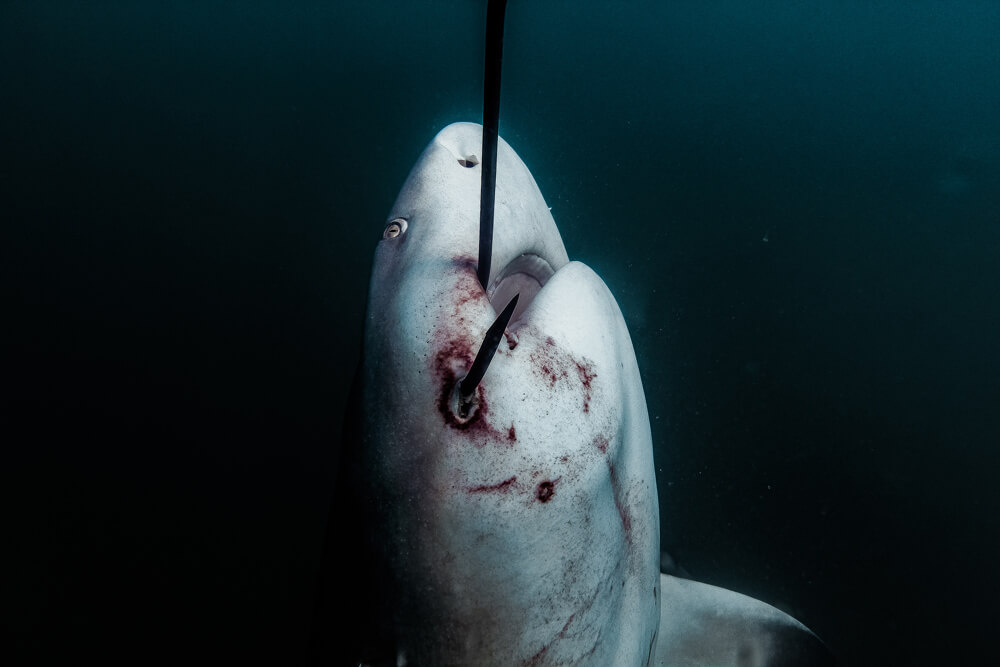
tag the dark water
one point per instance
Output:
(796, 204)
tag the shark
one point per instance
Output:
(497, 503)
(498, 497)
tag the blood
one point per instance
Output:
(562, 633)
(587, 375)
(511, 340)
(623, 510)
(555, 364)
(456, 351)
(466, 291)
(546, 490)
(502, 487)
(444, 368)
(534, 660)
(584, 607)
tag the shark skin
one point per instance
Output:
(526, 533)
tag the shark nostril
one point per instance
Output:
(468, 161)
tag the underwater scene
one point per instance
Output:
(229, 240)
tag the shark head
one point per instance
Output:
(526, 527)
(437, 215)
(514, 521)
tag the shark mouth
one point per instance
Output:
(510, 293)
(526, 274)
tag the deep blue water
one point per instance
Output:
(797, 205)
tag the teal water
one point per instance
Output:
(796, 205)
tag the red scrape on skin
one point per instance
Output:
(467, 288)
(512, 434)
(465, 293)
(602, 443)
(536, 659)
(502, 487)
(555, 364)
(550, 361)
(623, 510)
(552, 375)
(587, 374)
(546, 490)
(562, 633)
(585, 607)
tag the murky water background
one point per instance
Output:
(796, 205)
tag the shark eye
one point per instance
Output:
(394, 228)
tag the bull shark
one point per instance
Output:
(514, 521)
(497, 503)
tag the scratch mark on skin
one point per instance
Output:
(601, 442)
(587, 375)
(537, 659)
(501, 487)
(534, 660)
(623, 509)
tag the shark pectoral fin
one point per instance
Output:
(704, 625)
